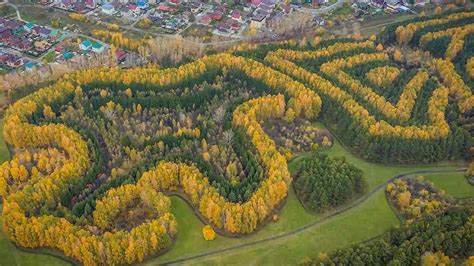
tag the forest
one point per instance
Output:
(324, 183)
(97, 154)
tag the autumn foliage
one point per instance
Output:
(208, 233)
(29, 182)
(131, 220)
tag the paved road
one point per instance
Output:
(310, 225)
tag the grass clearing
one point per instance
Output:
(454, 184)
(366, 221)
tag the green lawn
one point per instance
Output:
(455, 184)
(368, 220)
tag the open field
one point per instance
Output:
(455, 184)
(368, 220)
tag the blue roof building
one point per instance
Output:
(97, 47)
(85, 45)
(30, 65)
(67, 55)
(108, 9)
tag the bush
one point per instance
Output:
(208, 233)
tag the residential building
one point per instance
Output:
(85, 45)
(97, 47)
(90, 4)
(206, 19)
(120, 55)
(255, 3)
(30, 66)
(235, 15)
(258, 20)
(108, 9)
(44, 32)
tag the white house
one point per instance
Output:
(108, 9)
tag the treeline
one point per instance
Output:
(324, 183)
(388, 35)
(376, 139)
(259, 52)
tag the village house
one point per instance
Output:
(196, 7)
(163, 7)
(258, 20)
(5, 35)
(235, 15)
(235, 25)
(255, 3)
(97, 47)
(223, 27)
(45, 2)
(270, 3)
(205, 19)
(175, 2)
(54, 35)
(142, 4)
(120, 55)
(44, 32)
(66, 4)
(266, 8)
(79, 7)
(393, 5)
(10, 60)
(418, 2)
(28, 27)
(216, 15)
(377, 3)
(108, 9)
(41, 45)
(15, 26)
(133, 9)
(85, 45)
(90, 4)
(30, 66)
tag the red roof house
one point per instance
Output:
(206, 19)
(216, 15)
(236, 14)
(255, 3)
(120, 55)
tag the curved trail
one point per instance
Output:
(313, 224)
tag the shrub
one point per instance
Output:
(208, 233)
